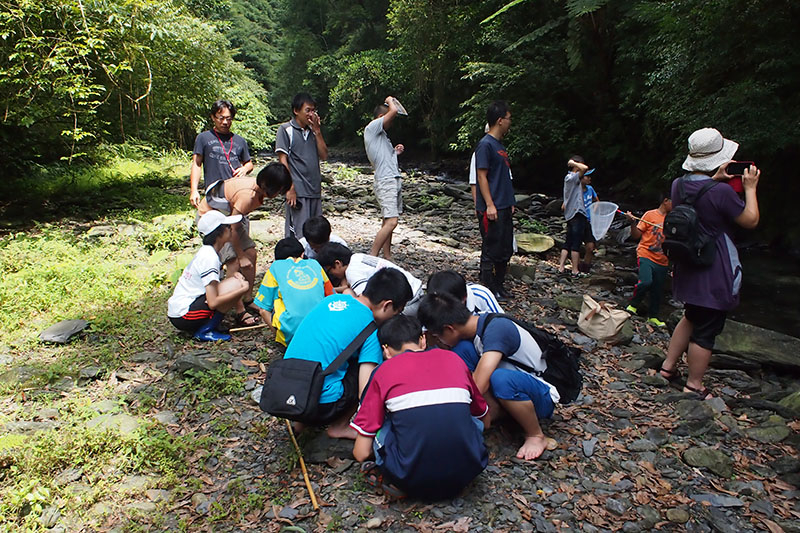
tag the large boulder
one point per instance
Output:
(758, 344)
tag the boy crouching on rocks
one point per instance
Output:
(419, 416)
(498, 344)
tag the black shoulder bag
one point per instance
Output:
(293, 386)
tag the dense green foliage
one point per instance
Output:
(621, 81)
(75, 72)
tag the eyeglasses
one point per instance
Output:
(223, 119)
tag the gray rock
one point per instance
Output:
(101, 231)
(122, 422)
(6, 359)
(642, 445)
(786, 465)
(618, 507)
(519, 271)
(648, 514)
(709, 458)
(288, 513)
(764, 507)
(659, 436)
(49, 517)
(144, 357)
(166, 417)
(677, 515)
(656, 380)
(716, 500)
(758, 344)
(29, 426)
(142, 507)
(588, 446)
(68, 475)
(198, 499)
(46, 413)
(717, 404)
(101, 509)
(21, 375)
(255, 396)
(106, 406)
(559, 498)
(572, 302)
(374, 523)
(133, 484)
(91, 372)
(768, 433)
(191, 362)
(792, 403)
(61, 333)
(158, 495)
(694, 410)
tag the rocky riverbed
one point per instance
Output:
(633, 453)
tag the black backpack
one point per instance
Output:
(684, 241)
(563, 362)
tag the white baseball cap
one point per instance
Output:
(214, 219)
(708, 150)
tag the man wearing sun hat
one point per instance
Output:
(708, 293)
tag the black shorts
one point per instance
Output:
(330, 412)
(575, 229)
(588, 236)
(706, 324)
(198, 314)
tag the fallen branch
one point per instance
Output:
(245, 328)
(302, 467)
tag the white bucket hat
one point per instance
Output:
(708, 149)
(214, 219)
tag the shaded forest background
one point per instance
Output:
(622, 82)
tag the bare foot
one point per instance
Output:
(342, 432)
(532, 448)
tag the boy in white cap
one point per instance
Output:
(200, 299)
(708, 292)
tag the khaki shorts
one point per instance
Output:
(387, 190)
(227, 252)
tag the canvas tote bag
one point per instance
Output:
(601, 321)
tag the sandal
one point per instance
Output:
(251, 308)
(672, 375)
(373, 477)
(246, 319)
(701, 394)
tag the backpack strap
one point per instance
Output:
(522, 366)
(691, 200)
(347, 352)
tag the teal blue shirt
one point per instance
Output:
(325, 333)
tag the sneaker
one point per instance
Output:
(656, 322)
(631, 309)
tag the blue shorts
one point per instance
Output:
(517, 386)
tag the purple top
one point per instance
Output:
(717, 286)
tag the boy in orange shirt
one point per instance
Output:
(653, 263)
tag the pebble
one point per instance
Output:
(717, 500)
(374, 523)
(642, 445)
(678, 516)
(616, 506)
(588, 446)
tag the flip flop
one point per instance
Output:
(701, 394)
(246, 319)
(373, 477)
(672, 375)
(251, 308)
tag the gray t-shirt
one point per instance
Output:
(214, 147)
(300, 145)
(573, 196)
(380, 150)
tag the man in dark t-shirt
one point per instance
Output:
(494, 200)
(218, 153)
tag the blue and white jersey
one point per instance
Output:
(481, 300)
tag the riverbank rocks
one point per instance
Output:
(709, 458)
(758, 344)
(792, 403)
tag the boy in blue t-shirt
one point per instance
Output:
(290, 289)
(330, 327)
(589, 197)
(414, 398)
(522, 394)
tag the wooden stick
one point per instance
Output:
(245, 328)
(635, 218)
(303, 467)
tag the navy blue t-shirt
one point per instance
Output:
(491, 155)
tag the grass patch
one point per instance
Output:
(30, 467)
(206, 386)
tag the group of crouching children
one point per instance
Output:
(415, 400)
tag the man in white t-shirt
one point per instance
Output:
(200, 299)
(383, 157)
(350, 272)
